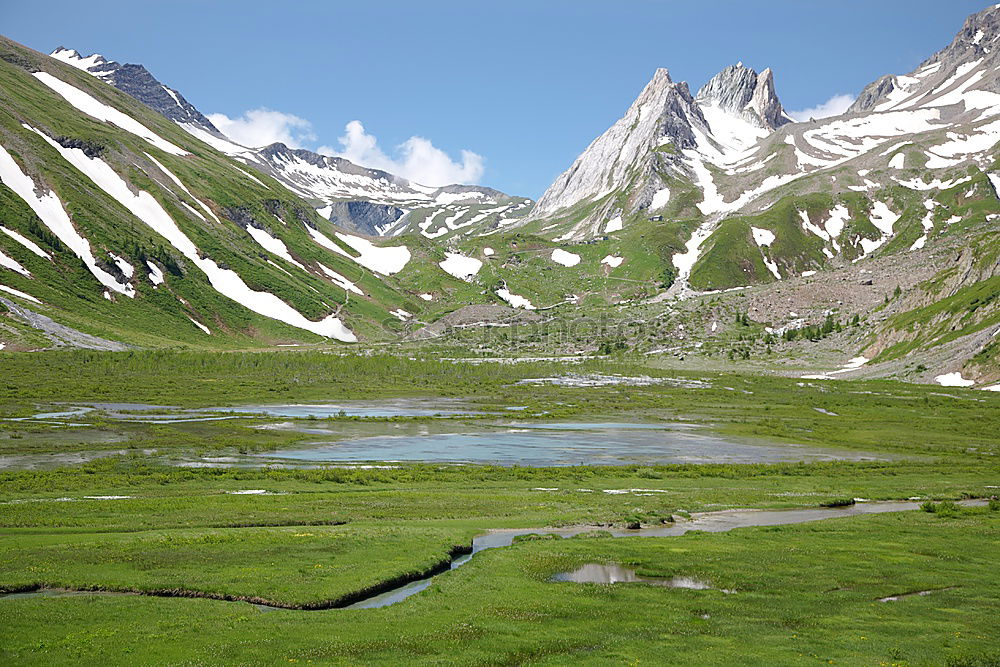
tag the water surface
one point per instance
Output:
(561, 444)
(614, 573)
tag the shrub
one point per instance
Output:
(839, 502)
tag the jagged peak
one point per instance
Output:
(658, 85)
(662, 74)
(73, 57)
(139, 82)
(742, 91)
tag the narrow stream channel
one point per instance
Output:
(712, 522)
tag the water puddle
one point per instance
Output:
(614, 573)
(903, 596)
(147, 413)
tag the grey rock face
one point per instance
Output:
(364, 217)
(743, 92)
(664, 113)
(873, 94)
(136, 80)
(60, 334)
(731, 89)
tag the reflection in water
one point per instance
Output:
(714, 522)
(613, 573)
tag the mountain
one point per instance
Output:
(971, 57)
(377, 203)
(120, 226)
(727, 193)
(739, 91)
(359, 199)
(117, 228)
(640, 163)
(135, 80)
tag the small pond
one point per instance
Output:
(613, 573)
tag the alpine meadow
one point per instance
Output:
(726, 393)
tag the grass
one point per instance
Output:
(970, 309)
(327, 534)
(500, 608)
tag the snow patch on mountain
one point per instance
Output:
(12, 264)
(460, 266)
(273, 245)
(155, 274)
(92, 107)
(385, 260)
(954, 379)
(225, 281)
(340, 280)
(560, 256)
(660, 199)
(762, 237)
(614, 261)
(26, 242)
(200, 325)
(19, 294)
(515, 300)
(884, 220)
(50, 210)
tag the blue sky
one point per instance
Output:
(521, 85)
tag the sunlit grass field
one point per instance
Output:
(805, 594)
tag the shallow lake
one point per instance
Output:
(565, 444)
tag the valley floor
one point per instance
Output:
(138, 515)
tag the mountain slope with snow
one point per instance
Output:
(141, 227)
(118, 223)
(358, 199)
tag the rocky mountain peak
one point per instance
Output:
(663, 113)
(976, 39)
(743, 92)
(975, 47)
(137, 81)
(92, 63)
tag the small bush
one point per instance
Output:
(592, 534)
(974, 660)
(839, 502)
(943, 508)
(536, 537)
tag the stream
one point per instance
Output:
(712, 522)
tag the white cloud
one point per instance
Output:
(261, 127)
(417, 159)
(834, 106)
